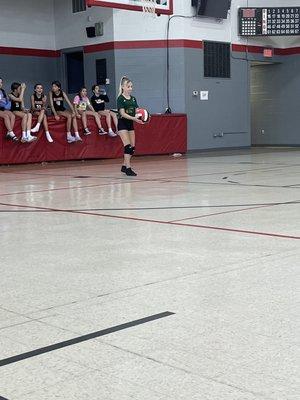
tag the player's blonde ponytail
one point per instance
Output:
(123, 80)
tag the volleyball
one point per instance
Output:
(142, 114)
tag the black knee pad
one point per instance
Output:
(127, 149)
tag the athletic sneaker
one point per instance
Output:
(86, 131)
(30, 138)
(71, 139)
(129, 172)
(102, 131)
(111, 133)
(123, 169)
(12, 136)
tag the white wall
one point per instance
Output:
(131, 25)
(27, 24)
(50, 24)
(70, 28)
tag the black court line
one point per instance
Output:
(83, 338)
(292, 202)
(185, 207)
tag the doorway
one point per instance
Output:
(74, 71)
(263, 101)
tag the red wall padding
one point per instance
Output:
(163, 135)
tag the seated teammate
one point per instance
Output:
(57, 97)
(98, 101)
(38, 108)
(5, 113)
(17, 107)
(81, 105)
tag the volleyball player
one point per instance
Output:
(127, 105)
(57, 98)
(38, 108)
(98, 101)
(17, 107)
(83, 108)
(5, 113)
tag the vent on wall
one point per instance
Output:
(216, 60)
(78, 5)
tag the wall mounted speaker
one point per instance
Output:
(90, 31)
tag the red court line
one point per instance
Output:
(217, 228)
(225, 212)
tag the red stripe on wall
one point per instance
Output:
(259, 50)
(250, 49)
(143, 44)
(18, 51)
(287, 52)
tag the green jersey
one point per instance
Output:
(129, 105)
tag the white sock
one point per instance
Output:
(48, 136)
(69, 134)
(28, 134)
(11, 134)
(24, 134)
(77, 134)
(110, 130)
(36, 128)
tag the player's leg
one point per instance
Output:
(40, 115)
(7, 122)
(114, 118)
(86, 130)
(46, 127)
(126, 133)
(129, 171)
(106, 114)
(75, 127)
(67, 115)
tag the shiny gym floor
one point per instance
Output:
(180, 283)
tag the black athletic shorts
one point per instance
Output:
(125, 124)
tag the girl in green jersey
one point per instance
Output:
(127, 105)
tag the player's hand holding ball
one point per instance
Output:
(138, 120)
(142, 115)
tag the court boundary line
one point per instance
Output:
(217, 228)
(224, 212)
(83, 338)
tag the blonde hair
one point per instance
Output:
(123, 80)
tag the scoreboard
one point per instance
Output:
(279, 21)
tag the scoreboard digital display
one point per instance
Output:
(279, 21)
